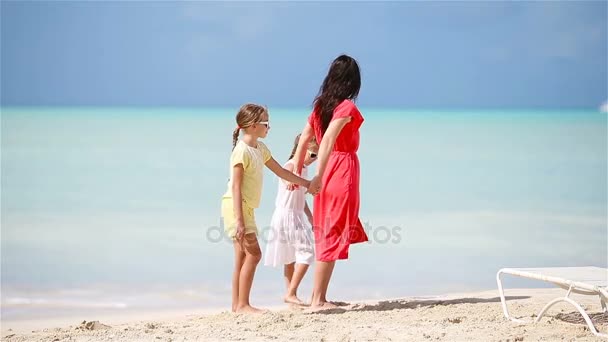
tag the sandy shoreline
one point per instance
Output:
(467, 316)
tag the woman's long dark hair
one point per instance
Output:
(342, 82)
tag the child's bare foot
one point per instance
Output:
(248, 309)
(292, 299)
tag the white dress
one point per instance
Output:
(290, 239)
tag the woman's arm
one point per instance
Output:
(328, 141)
(286, 174)
(327, 145)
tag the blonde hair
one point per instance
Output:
(249, 114)
(296, 142)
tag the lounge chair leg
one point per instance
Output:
(505, 310)
(578, 307)
(560, 277)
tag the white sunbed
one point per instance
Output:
(583, 280)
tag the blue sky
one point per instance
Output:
(460, 54)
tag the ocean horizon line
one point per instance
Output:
(302, 108)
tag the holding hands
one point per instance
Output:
(315, 185)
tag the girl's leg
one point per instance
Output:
(288, 274)
(323, 271)
(239, 258)
(253, 255)
(292, 291)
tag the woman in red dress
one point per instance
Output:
(335, 122)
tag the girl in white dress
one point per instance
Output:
(290, 242)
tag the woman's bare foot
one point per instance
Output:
(322, 306)
(248, 309)
(292, 299)
(338, 303)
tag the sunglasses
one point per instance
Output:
(265, 123)
(312, 154)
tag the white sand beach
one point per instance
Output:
(456, 317)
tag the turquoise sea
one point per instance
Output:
(117, 209)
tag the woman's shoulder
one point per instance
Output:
(347, 104)
(347, 108)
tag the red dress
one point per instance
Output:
(336, 206)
